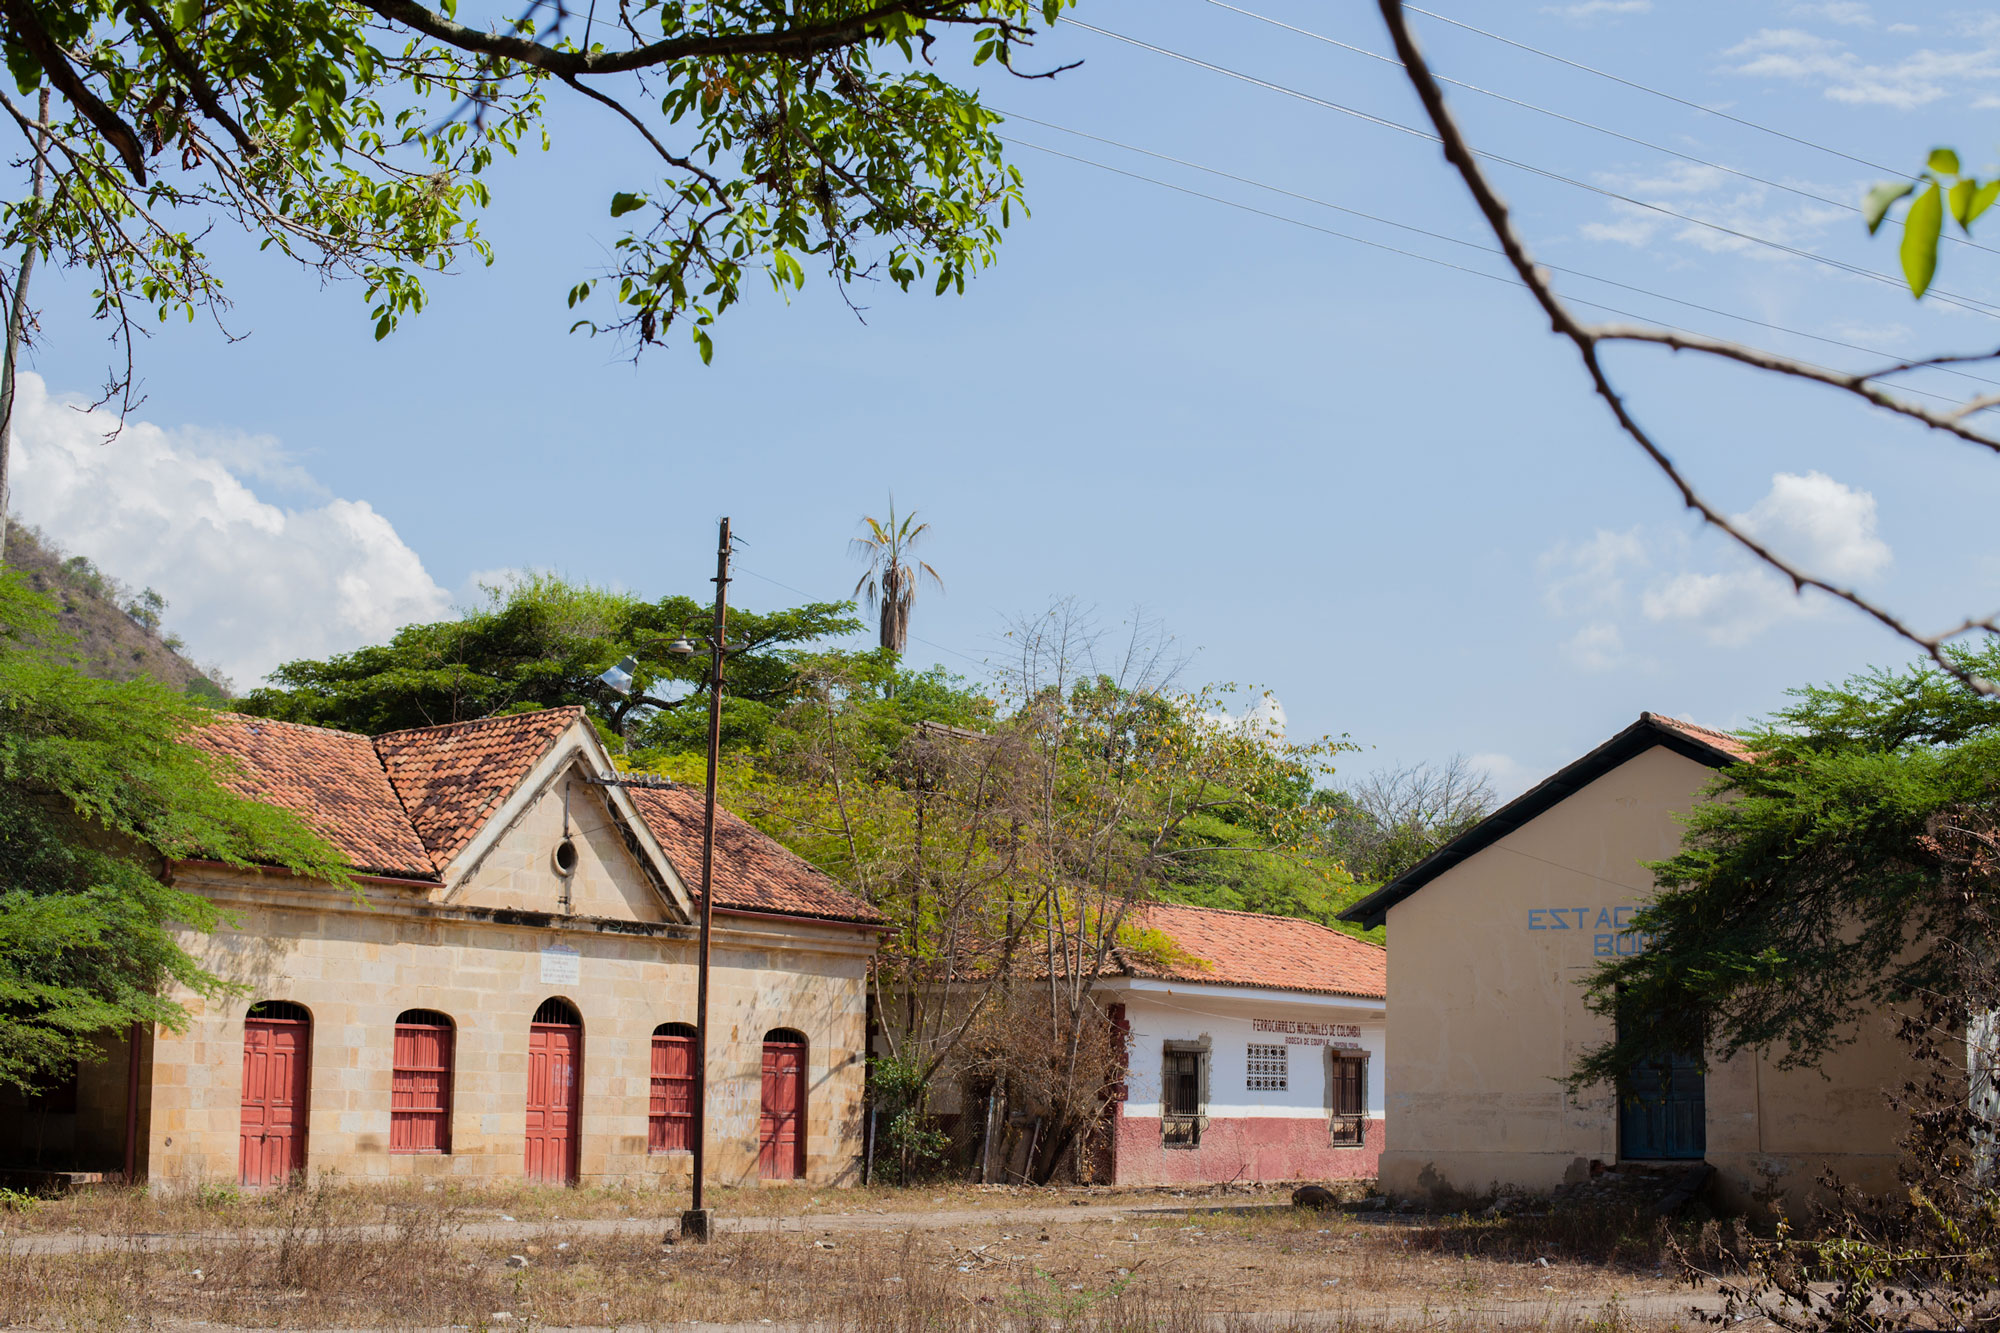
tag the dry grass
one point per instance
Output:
(208, 1207)
(296, 1260)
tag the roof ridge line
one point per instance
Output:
(1268, 916)
(481, 721)
(256, 720)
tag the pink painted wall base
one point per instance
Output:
(1246, 1149)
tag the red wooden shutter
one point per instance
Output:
(420, 1100)
(670, 1117)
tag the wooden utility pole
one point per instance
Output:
(17, 320)
(695, 1221)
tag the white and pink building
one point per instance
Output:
(1254, 1055)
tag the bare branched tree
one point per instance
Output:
(1395, 817)
(1880, 388)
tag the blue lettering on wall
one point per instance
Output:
(1612, 937)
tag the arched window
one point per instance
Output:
(558, 1011)
(420, 1096)
(781, 1129)
(670, 1118)
(282, 1011)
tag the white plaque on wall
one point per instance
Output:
(561, 966)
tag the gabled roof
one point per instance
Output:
(333, 778)
(451, 777)
(407, 803)
(1717, 749)
(1251, 949)
(753, 871)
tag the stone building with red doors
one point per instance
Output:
(1254, 1054)
(507, 992)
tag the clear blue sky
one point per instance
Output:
(1375, 485)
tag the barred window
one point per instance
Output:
(1267, 1069)
(1348, 1073)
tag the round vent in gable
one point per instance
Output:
(566, 858)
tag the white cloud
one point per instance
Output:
(1586, 10)
(1587, 577)
(1731, 608)
(1845, 12)
(250, 584)
(1693, 191)
(1915, 80)
(1508, 776)
(1809, 518)
(1824, 526)
(1598, 646)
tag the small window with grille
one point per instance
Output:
(1267, 1069)
(1349, 1077)
(1181, 1100)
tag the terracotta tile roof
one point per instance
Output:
(1720, 740)
(753, 871)
(1252, 949)
(332, 778)
(452, 777)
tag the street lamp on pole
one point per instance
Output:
(695, 1221)
(619, 679)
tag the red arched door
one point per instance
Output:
(555, 1093)
(277, 1049)
(781, 1131)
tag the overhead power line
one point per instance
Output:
(1676, 153)
(1474, 245)
(1964, 302)
(803, 593)
(1657, 92)
(1505, 280)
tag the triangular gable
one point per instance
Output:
(1716, 749)
(468, 786)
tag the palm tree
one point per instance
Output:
(890, 585)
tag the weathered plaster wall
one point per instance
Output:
(1484, 969)
(1251, 1134)
(355, 967)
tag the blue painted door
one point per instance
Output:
(1663, 1115)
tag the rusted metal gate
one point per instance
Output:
(555, 1088)
(277, 1050)
(781, 1134)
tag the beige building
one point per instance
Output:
(1490, 939)
(508, 991)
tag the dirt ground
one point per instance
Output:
(965, 1259)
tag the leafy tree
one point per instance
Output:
(1824, 880)
(889, 588)
(98, 793)
(355, 138)
(542, 643)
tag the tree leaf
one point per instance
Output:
(623, 203)
(1921, 229)
(1944, 161)
(1960, 199)
(1875, 206)
(1981, 201)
